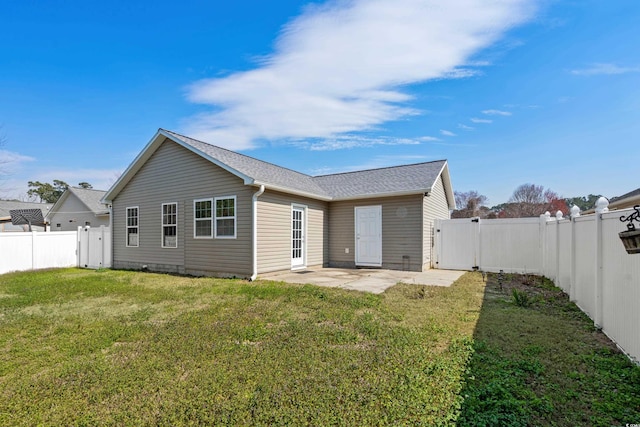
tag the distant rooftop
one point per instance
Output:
(10, 205)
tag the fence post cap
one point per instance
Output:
(559, 215)
(575, 211)
(602, 205)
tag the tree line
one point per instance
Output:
(527, 200)
(51, 192)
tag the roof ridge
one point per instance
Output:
(87, 189)
(237, 153)
(380, 168)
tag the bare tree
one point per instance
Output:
(530, 200)
(471, 204)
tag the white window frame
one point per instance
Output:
(127, 226)
(303, 237)
(234, 217)
(168, 225)
(210, 219)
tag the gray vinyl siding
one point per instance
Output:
(274, 231)
(72, 213)
(174, 174)
(401, 232)
(435, 206)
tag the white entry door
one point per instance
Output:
(369, 236)
(297, 237)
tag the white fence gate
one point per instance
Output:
(583, 256)
(87, 247)
(94, 247)
(458, 249)
(488, 244)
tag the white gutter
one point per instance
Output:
(254, 231)
(423, 191)
(291, 191)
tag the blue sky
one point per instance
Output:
(508, 91)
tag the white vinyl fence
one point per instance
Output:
(94, 247)
(583, 256)
(90, 248)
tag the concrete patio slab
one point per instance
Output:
(364, 279)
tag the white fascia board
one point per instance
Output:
(290, 191)
(247, 179)
(634, 200)
(131, 170)
(448, 188)
(377, 195)
(146, 153)
(57, 204)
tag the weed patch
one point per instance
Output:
(546, 365)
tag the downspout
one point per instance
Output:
(254, 231)
(111, 245)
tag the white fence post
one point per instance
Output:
(575, 213)
(476, 256)
(543, 243)
(102, 246)
(601, 207)
(558, 218)
(79, 246)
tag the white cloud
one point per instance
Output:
(344, 66)
(9, 157)
(496, 113)
(476, 120)
(447, 132)
(604, 69)
(465, 127)
(352, 141)
(429, 138)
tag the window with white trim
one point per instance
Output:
(203, 218)
(169, 225)
(225, 222)
(132, 227)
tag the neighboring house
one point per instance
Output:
(11, 205)
(78, 207)
(625, 201)
(189, 207)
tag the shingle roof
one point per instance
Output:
(630, 194)
(259, 170)
(92, 198)
(416, 178)
(9, 205)
(412, 178)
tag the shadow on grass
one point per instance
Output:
(539, 361)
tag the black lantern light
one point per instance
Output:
(631, 237)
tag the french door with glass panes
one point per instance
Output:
(298, 231)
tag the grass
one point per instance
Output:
(539, 361)
(81, 347)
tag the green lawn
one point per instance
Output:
(82, 347)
